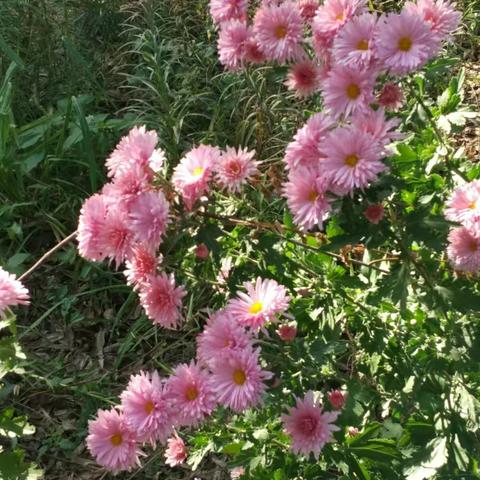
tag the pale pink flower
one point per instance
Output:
(404, 42)
(220, 335)
(142, 263)
(374, 122)
(352, 159)
(192, 174)
(353, 431)
(232, 43)
(12, 292)
(463, 206)
(333, 14)
(440, 15)
(176, 452)
(308, 9)
(322, 43)
(90, 224)
(306, 147)
(201, 251)
(306, 197)
(347, 90)
(464, 249)
(279, 31)
(353, 46)
(235, 168)
(149, 218)
(236, 473)
(146, 408)
(309, 427)
(226, 10)
(287, 332)
(138, 147)
(303, 78)
(238, 379)
(264, 300)
(337, 399)
(112, 442)
(162, 300)
(391, 97)
(129, 183)
(190, 389)
(374, 213)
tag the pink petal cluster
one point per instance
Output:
(12, 292)
(176, 452)
(304, 78)
(235, 168)
(226, 10)
(374, 213)
(337, 399)
(287, 332)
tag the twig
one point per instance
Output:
(48, 254)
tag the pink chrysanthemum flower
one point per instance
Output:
(232, 43)
(353, 46)
(308, 9)
(220, 335)
(352, 159)
(129, 183)
(138, 147)
(464, 204)
(441, 15)
(374, 213)
(337, 399)
(287, 332)
(309, 427)
(226, 10)
(391, 97)
(322, 45)
(116, 239)
(162, 300)
(176, 452)
(333, 14)
(376, 124)
(306, 197)
(347, 90)
(279, 31)
(265, 299)
(192, 174)
(146, 408)
(305, 149)
(235, 168)
(191, 392)
(112, 442)
(239, 379)
(142, 264)
(90, 224)
(12, 292)
(149, 218)
(404, 42)
(303, 78)
(253, 54)
(464, 249)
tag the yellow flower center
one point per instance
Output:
(313, 196)
(362, 45)
(340, 17)
(239, 377)
(191, 393)
(351, 160)
(405, 44)
(197, 171)
(149, 407)
(281, 32)
(116, 439)
(255, 308)
(353, 91)
(473, 206)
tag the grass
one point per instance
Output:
(84, 73)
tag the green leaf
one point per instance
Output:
(438, 455)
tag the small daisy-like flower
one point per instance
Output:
(162, 300)
(337, 399)
(220, 335)
(464, 249)
(146, 408)
(377, 126)
(226, 10)
(238, 379)
(264, 300)
(404, 42)
(279, 31)
(308, 9)
(391, 97)
(141, 264)
(232, 43)
(463, 206)
(190, 391)
(112, 442)
(309, 427)
(333, 14)
(303, 78)
(374, 213)
(306, 197)
(235, 168)
(192, 174)
(353, 46)
(347, 90)
(352, 158)
(90, 224)
(176, 452)
(12, 292)
(129, 183)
